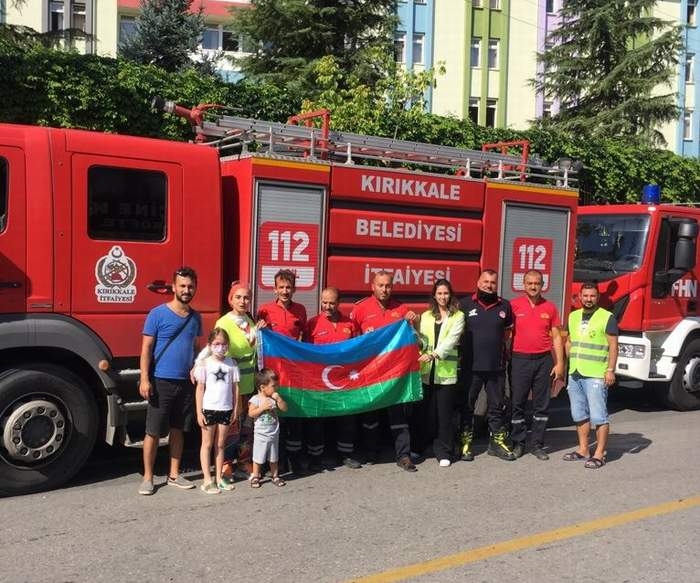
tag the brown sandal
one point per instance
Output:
(254, 482)
(279, 482)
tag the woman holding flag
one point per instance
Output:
(440, 329)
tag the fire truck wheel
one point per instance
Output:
(684, 389)
(48, 427)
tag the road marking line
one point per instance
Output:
(526, 542)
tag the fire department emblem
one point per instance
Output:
(115, 273)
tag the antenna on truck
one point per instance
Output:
(308, 141)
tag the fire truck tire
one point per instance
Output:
(684, 388)
(48, 427)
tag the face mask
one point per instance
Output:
(487, 297)
(219, 349)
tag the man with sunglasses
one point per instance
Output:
(169, 344)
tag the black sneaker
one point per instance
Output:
(540, 453)
(351, 462)
(519, 450)
(315, 466)
(372, 457)
(296, 467)
(406, 464)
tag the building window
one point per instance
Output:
(78, 16)
(491, 113)
(688, 124)
(493, 53)
(475, 55)
(77, 11)
(217, 38)
(230, 41)
(689, 65)
(547, 110)
(550, 6)
(127, 28)
(477, 4)
(210, 39)
(56, 16)
(126, 204)
(691, 12)
(400, 48)
(495, 4)
(418, 49)
(474, 109)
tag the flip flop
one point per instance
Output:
(573, 456)
(594, 463)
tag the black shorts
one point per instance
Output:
(171, 405)
(214, 417)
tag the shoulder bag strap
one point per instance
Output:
(172, 338)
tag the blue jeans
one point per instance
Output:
(589, 399)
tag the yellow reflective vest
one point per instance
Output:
(589, 348)
(445, 347)
(241, 351)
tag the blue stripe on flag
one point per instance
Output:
(385, 339)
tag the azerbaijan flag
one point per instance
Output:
(369, 372)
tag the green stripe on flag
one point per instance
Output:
(306, 403)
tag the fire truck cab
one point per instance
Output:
(645, 259)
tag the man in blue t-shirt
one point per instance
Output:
(170, 340)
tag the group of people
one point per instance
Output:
(465, 347)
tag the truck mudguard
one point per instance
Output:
(56, 331)
(676, 339)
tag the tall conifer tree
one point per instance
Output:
(611, 65)
(167, 33)
(290, 36)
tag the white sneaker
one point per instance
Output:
(445, 463)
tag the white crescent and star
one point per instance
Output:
(354, 375)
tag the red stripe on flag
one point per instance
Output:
(322, 377)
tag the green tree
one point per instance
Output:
(292, 35)
(611, 65)
(167, 33)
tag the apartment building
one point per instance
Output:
(684, 135)
(110, 22)
(96, 18)
(489, 50)
(218, 41)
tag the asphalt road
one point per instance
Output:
(635, 520)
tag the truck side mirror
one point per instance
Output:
(684, 234)
(685, 248)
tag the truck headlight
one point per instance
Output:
(631, 350)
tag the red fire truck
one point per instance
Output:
(644, 258)
(93, 225)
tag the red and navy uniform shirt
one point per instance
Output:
(532, 333)
(289, 321)
(321, 330)
(483, 341)
(370, 315)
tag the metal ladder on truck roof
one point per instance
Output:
(290, 139)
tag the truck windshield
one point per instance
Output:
(607, 245)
